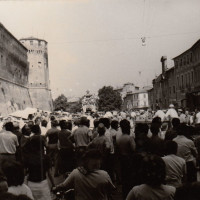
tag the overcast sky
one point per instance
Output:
(92, 43)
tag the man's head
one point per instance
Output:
(154, 129)
(171, 147)
(9, 126)
(92, 160)
(106, 122)
(114, 124)
(44, 123)
(175, 122)
(101, 129)
(125, 126)
(36, 129)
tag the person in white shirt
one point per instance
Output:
(197, 121)
(171, 113)
(187, 151)
(159, 113)
(43, 127)
(175, 165)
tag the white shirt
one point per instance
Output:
(8, 142)
(43, 130)
(175, 169)
(172, 113)
(198, 118)
(160, 114)
(185, 148)
(21, 190)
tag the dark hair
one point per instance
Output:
(105, 121)
(141, 128)
(54, 123)
(77, 122)
(36, 129)
(30, 123)
(69, 125)
(23, 197)
(26, 130)
(175, 122)
(52, 118)
(14, 172)
(170, 147)
(114, 124)
(182, 129)
(154, 129)
(153, 170)
(189, 191)
(96, 123)
(9, 126)
(63, 124)
(92, 154)
(125, 126)
(101, 129)
(8, 196)
(157, 120)
(44, 123)
(84, 121)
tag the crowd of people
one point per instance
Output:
(157, 158)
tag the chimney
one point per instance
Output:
(163, 60)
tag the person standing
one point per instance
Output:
(8, 143)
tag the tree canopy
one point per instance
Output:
(60, 103)
(109, 99)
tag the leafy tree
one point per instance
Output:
(75, 107)
(109, 99)
(60, 103)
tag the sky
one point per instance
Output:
(96, 43)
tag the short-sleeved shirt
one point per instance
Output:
(8, 142)
(93, 185)
(185, 148)
(146, 192)
(175, 169)
(82, 136)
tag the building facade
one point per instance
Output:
(14, 71)
(180, 84)
(38, 78)
(136, 100)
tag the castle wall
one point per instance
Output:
(41, 98)
(14, 69)
(13, 97)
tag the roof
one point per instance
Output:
(137, 92)
(1, 25)
(33, 38)
(193, 46)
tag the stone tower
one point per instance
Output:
(38, 79)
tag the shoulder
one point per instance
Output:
(169, 189)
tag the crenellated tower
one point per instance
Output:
(38, 79)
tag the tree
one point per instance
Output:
(109, 99)
(75, 106)
(60, 103)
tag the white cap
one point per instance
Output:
(171, 106)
